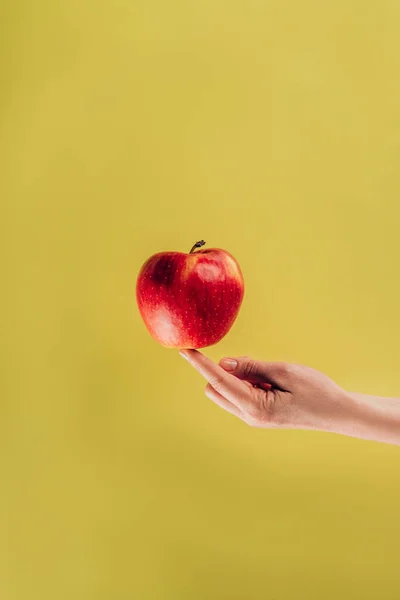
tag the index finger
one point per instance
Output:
(226, 384)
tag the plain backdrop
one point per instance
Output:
(270, 129)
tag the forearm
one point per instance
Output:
(371, 417)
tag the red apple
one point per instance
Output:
(190, 300)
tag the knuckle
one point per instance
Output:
(250, 418)
(254, 415)
(216, 383)
(248, 368)
(208, 389)
(286, 369)
(262, 411)
(268, 405)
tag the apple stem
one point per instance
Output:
(197, 245)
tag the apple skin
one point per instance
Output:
(190, 300)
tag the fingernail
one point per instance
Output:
(184, 355)
(229, 364)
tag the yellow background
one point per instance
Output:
(270, 129)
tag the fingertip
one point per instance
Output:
(265, 386)
(188, 352)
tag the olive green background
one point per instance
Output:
(268, 128)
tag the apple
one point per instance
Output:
(190, 300)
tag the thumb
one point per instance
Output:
(259, 372)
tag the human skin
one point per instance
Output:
(291, 396)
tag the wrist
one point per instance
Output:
(370, 417)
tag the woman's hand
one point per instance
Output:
(279, 394)
(273, 394)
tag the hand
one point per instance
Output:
(273, 394)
